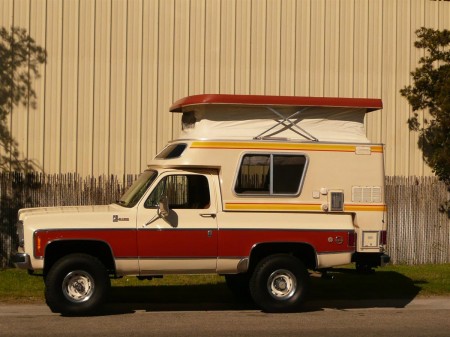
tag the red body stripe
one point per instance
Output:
(195, 243)
(200, 243)
(240, 242)
(122, 241)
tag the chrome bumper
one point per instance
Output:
(21, 261)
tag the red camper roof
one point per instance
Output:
(370, 104)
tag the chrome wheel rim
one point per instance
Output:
(78, 286)
(282, 284)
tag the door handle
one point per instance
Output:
(208, 215)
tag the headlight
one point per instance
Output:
(19, 232)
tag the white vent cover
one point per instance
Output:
(369, 194)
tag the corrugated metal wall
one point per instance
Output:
(115, 66)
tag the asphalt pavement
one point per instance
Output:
(416, 318)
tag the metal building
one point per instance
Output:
(115, 66)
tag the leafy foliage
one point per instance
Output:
(20, 58)
(431, 91)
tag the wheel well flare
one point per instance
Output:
(303, 251)
(58, 249)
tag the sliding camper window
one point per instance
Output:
(270, 174)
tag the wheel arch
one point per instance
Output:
(97, 248)
(305, 252)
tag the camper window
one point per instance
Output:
(270, 174)
(172, 151)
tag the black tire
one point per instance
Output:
(279, 283)
(239, 286)
(76, 284)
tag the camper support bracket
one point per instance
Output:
(286, 121)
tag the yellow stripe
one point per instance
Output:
(280, 146)
(272, 207)
(363, 208)
(377, 148)
(231, 206)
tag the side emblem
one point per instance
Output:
(117, 219)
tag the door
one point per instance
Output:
(184, 241)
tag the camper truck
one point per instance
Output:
(260, 189)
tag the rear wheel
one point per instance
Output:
(76, 284)
(279, 283)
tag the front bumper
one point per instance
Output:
(21, 261)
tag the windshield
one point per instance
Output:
(137, 190)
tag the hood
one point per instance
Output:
(76, 216)
(25, 212)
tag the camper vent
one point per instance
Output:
(366, 194)
(336, 200)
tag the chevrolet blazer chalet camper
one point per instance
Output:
(259, 189)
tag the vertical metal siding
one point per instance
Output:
(85, 86)
(287, 48)
(149, 84)
(166, 65)
(115, 66)
(69, 85)
(302, 49)
(52, 137)
(242, 47)
(181, 57)
(119, 86)
(19, 118)
(317, 48)
(133, 101)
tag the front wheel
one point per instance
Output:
(76, 284)
(279, 283)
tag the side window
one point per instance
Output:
(172, 151)
(253, 177)
(270, 174)
(183, 192)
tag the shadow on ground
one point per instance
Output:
(342, 289)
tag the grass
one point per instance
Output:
(391, 282)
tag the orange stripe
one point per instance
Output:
(299, 207)
(280, 146)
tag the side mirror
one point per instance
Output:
(163, 208)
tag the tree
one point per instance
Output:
(431, 91)
(20, 58)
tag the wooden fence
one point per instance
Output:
(418, 232)
(39, 190)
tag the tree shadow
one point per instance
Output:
(345, 288)
(342, 289)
